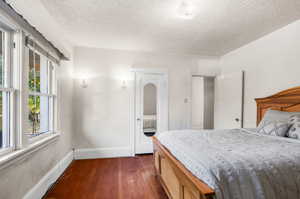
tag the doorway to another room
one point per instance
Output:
(202, 102)
(151, 108)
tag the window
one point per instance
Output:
(27, 90)
(6, 91)
(41, 94)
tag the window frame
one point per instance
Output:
(51, 94)
(9, 87)
(20, 145)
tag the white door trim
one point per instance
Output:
(132, 117)
(162, 71)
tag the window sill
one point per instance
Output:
(13, 157)
(42, 136)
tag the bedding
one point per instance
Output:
(274, 115)
(239, 163)
(274, 128)
(294, 130)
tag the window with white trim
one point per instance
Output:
(41, 94)
(28, 96)
(6, 90)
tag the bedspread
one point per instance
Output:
(238, 163)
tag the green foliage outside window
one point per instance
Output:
(34, 102)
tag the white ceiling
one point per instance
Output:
(153, 25)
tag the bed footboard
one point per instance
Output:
(177, 181)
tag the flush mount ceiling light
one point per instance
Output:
(186, 10)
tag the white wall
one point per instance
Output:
(271, 64)
(207, 67)
(102, 110)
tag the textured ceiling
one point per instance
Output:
(153, 25)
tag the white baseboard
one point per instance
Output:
(94, 153)
(38, 191)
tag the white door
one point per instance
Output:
(197, 102)
(229, 101)
(151, 109)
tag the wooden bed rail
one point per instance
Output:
(177, 181)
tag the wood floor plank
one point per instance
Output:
(112, 178)
(150, 177)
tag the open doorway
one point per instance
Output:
(202, 102)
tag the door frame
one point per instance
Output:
(133, 117)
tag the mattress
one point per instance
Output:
(239, 163)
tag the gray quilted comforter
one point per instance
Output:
(238, 163)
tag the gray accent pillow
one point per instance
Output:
(273, 115)
(275, 128)
(294, 122)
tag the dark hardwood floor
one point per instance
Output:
(114, 178)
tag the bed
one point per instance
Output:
(231, 164)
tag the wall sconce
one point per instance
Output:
(83, 83)
(124, 84)
(185, 10)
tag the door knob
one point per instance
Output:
(138, 119)
(237, 119)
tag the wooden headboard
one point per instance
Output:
(288, 100)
